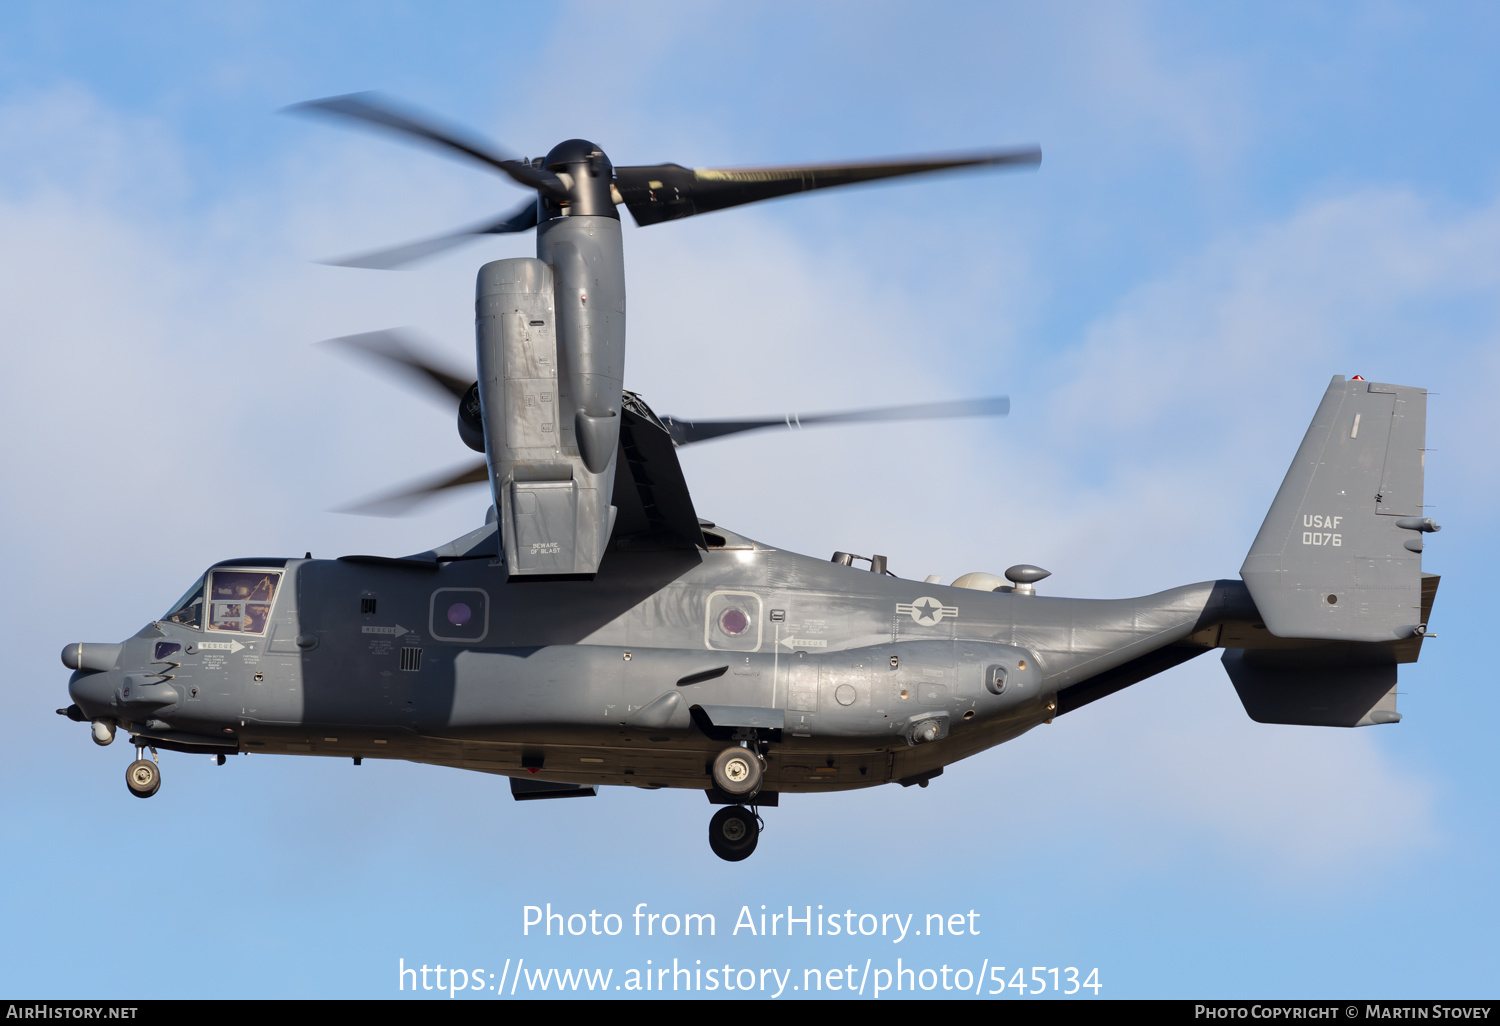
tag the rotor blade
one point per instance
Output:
(373, 109)
(398, 503)
(666, 192)
(686, 432)
(518, 220)
(392, 346)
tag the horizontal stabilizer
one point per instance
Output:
(1285, 687)
(1319, 683)
(1339, 555)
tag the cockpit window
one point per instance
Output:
(189, 609)
(240, 600)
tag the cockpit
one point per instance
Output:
(237, 600)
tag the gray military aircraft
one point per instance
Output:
(596, 631)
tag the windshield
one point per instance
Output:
(189, 609)
(241, 599)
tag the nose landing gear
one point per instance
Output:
(733, 833)
(143, 776)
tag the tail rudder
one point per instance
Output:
(1339, 556)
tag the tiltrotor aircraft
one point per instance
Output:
(596, 631)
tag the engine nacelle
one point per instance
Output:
(554, 511)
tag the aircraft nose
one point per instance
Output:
(94, 693)
(93, 685)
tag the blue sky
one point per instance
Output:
(1236, 202)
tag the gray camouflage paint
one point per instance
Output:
(641, 674)
(581, 677)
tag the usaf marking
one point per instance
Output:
(927, 611)
(1321, 537)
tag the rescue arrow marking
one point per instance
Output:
(791, 643)
(221, 646)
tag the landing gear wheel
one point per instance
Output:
(733, 833)
(737, 772)
(143, 778)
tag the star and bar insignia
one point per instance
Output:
(927, 611)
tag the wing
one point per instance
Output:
(655, 507)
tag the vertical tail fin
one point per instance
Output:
(1339, 556)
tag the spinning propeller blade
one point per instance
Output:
(396, 504)
(393, 348)
(518, 220)
(686, 432)
(654, 192)
(666, 192)
(373, 109)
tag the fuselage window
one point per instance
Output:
(188, 612)
(460, 614)
(240, 600)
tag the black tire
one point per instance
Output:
(737, 772)
(733, 833)
(143, 778)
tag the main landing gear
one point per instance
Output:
(734, 830)
(738, 772)
(143, 776)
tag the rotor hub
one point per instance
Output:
(588, 173)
